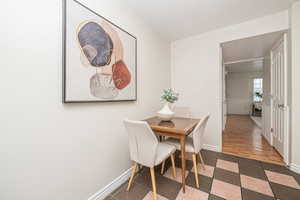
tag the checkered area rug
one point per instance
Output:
(224, 177)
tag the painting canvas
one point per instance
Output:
(99, 57)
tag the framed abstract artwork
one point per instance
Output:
(99, 57)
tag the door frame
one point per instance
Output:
(286, 156)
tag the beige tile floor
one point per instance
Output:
(225, 177)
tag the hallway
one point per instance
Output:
(242, 137)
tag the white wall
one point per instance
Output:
(295, 107)
(224, 105)
(266, 111)
(196, 70)
(239, 91)
(53, 151)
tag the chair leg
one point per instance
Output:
(202, 162)
(162, 167)
(173, 165)
(153, 183)
(135, 166)
(195, 169)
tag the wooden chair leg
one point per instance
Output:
(153, 183)
(202, 162)
(195, 169)
(162, 167)
(135, 166)
(173, 165)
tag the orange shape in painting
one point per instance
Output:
(121, 75)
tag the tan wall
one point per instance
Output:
(239, 91)
(295, 108)
(196, 69)
(266, 111)
(51, 151)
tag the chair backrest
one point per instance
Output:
(142, 142)
(181, 111)
(198, 133)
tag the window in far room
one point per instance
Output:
(257, 89)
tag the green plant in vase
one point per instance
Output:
(169, 96)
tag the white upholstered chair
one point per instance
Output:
(146, 150)
(193, 144)
(182, 111)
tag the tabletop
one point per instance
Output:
(178, 125)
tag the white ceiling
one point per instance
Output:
(238, 51)
(252, 66)
(176, 19)
(248, 48)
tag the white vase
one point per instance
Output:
(165, 114)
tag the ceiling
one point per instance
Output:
(245, 55)
(252, 66)
(176, 19)
(248, 48)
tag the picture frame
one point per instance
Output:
(97, 38)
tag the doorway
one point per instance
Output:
(255, 114)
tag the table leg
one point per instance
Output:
(183, 167)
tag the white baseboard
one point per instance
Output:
(211, 147)
(268, 139)
(108, 189)
(295, 168)
(257, 122)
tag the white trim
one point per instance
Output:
(244, 60)
(271, 98)
(295, 168)
(286, 156)
(258, 123)
(267, 139)
(108, 189)
(221, 77)
(286, 152)
(211, 147)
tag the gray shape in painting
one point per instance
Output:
(102, 86)
(96, 44)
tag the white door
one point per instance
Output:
(279, 96)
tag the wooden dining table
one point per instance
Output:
(178, 128)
